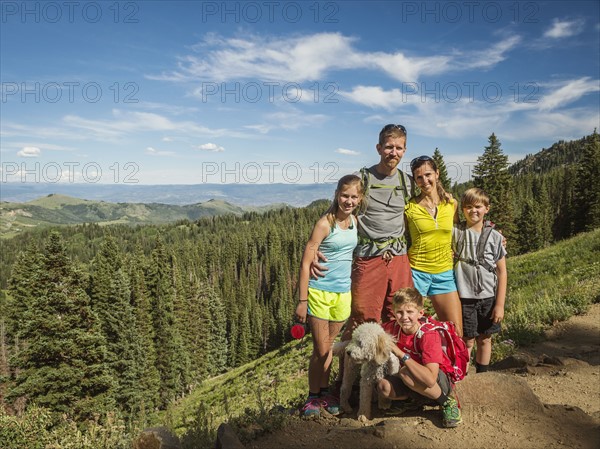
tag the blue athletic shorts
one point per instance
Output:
(434, 284)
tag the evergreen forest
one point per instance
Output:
(124, 320)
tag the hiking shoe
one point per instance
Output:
(451, 413)
(312, 407)
(331, 404)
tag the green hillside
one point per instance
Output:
(56, 209)
(544, 287)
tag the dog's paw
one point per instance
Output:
(339, 348)
(362, 418)
(347, 408)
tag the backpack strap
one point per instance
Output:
(402, 184)
(459, 242)
(488, 226)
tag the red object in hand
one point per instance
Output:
(297, 331)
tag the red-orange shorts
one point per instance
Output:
(374, 282)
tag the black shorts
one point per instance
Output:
(399, 388)
(477, 317)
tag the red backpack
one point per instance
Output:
(452, 345)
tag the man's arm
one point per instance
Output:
(318, 270)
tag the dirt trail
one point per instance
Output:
(546, 396)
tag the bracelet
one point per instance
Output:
(405, 358)
(303, 300)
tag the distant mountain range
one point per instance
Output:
(243, 195)
(57, 209)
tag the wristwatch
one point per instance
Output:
(404, 358)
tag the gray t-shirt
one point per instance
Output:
(466, 274)
(381, 225)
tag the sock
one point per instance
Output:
(312, 395)
(442, 399)
(324, 391)
(479, 368)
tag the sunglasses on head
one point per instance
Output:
(391, 126)
(419, 159)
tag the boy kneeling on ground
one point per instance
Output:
(423, 374)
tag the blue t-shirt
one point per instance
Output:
(337, 247)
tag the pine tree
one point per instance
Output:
(63, 360)
(218, 331)
(530, 237)
(170, 361)
(441, 165)
(491, 175)
(586, 201)
(4, 368)
(150, 378)
(110, 298)
(23, 288)
(546, 217)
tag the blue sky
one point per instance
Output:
(257, 92)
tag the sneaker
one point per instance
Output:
(331, 404)
(451, 413)
(312, 407)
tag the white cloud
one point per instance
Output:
(347, 152)
(564, 28)
(308, 58)
(153, 152)
(263, 129)
(29, 152)
(126, 122)
(210, 147)
(376, 97)
(568, 93)
(489, 57)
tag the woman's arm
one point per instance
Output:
(498, 312)
(456, 219)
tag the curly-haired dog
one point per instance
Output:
(370, 347)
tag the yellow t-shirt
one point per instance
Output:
(431, 238)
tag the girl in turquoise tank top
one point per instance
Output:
(325, 303)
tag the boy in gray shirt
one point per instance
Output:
(481, 278)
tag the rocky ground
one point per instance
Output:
(546, 396)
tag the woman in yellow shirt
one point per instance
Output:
(430, 217)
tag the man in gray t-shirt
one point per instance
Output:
(381, 266)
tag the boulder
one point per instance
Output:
(156, 438)
(505, 393)
(227, 439)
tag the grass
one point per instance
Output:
(544, 287)
(551, 285)
(262, 388)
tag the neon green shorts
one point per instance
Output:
(328, 305)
